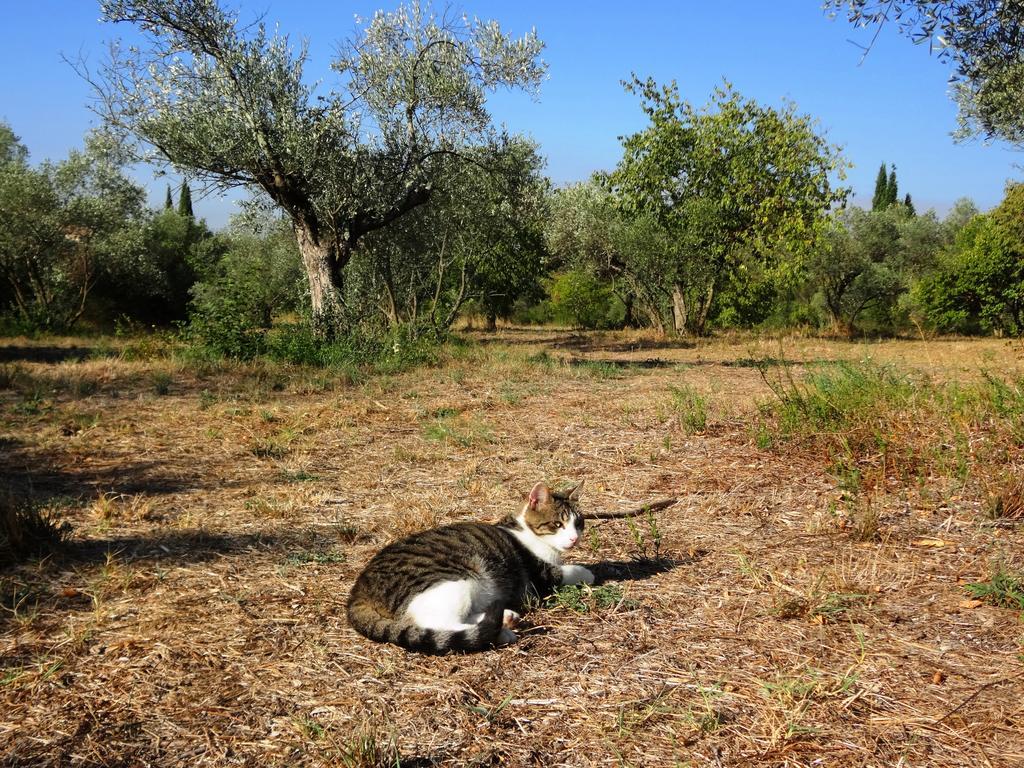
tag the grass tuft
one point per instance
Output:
(1004, 588)
(580, 598)
(691, 406)
(28, 529)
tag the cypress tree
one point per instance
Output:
(909, 204)
(168, 201)
(185, 202)
(892, 191)
(881, 190)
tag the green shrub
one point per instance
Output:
(225, 322)
(978, 286)
(578, 298)
(386, 351)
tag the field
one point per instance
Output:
(806, 601)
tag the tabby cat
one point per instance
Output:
(459, 587)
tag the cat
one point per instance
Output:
(460, 587)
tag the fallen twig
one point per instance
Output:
(652, 507)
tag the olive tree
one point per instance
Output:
(230, 104)
(984, 40)
(61, 225)
(869, 260)
(588, 231)
(479, 238)
(729, 181)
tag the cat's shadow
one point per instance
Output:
(639, 568)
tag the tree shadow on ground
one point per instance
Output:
(641, 568)
(11, 354)
(44, 583)
(179, 547)
(188, 546)
(43, 475)
(584, 343)
(651, 362)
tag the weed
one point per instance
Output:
(490, 714)
(848, 475)
(654, 532)
(1003, 588)
(269, 449)
(571, 598)
(269, 507)
(642, 713)
(708, 718)
(599, 369)
(835, 604)
(465, 432)
(346, 532)
(542, 359)
(757, 576)
(19, 600)
(310, 728)
(865, 522)
(794, 694)
(366, 749)
(1003, 398)
(510, 395)
(691, 407)
(10, 375)
(33, 401)
(645, 539)
(583, 599)
(112, 575)
(299, 476)
(162, 383)
(763, 437)
(28, 529)
(327, 557)
(834, 397)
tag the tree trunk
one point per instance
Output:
(700, 322)
(323, 271)
(492, 321)
(678, 309)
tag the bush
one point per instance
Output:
(580, 299)
(226, 322)
(258, 277)
(979, 284)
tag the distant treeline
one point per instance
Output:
(625, 249)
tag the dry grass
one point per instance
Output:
(791, 609)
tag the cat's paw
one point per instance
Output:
(510, 619)
(576, 574)
(506, 636)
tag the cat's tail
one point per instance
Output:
(370, 619)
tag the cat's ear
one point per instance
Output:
(573, 494)
(539, 495)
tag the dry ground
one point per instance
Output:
(221, 513)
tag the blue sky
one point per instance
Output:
(893, 107)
